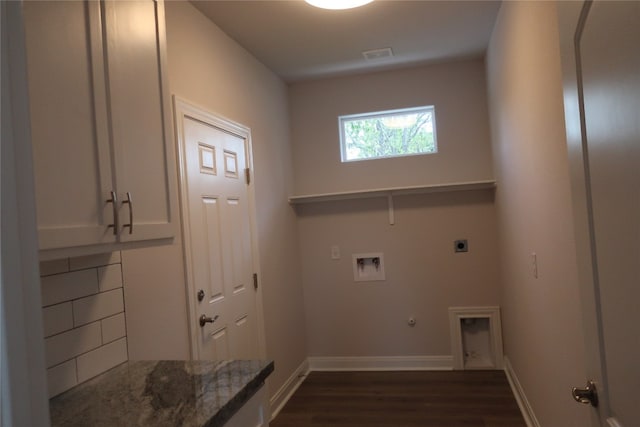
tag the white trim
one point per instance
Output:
(184, 109)
(282, 396)
(518, 392)
(612, 422)
(23, 389)
(382, 363)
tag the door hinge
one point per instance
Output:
(247, 174)
(255, 281)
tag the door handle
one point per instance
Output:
(114, 201)
(130, 203)
(204, 320)
(587, 395)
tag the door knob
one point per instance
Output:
(204, 320)
(587, 395)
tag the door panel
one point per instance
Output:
(219, 241)
(218, 344)
(70, 134)
(139, 118)
(213, 250)
(238, 251)
(610, 69)
(243, 337)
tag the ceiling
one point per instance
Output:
(299, 42)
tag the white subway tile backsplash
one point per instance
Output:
(55, 266)
(67, 286)
(96, 307)
(100, 360)
(110, 277)
(70, 344)
(113, 328)
(91, 261)
(62, 377)
(83, 318)
(57, 318)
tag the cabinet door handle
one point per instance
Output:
(129, 201)
(114, 201)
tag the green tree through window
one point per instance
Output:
(388, 134)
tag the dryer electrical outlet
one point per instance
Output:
(461, 245)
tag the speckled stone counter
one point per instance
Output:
(161, 393)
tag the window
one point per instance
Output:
(395, 133)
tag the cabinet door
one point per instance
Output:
(140, 118)
(254, 413)
(69, 123)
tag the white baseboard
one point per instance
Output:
(290, 386)
(388, 363)
(518, 392)
(612, 422)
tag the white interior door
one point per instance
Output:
(608, 77)
(218, 240)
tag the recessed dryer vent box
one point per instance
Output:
(476, 337)
(368, 267)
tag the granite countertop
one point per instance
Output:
(161, 393)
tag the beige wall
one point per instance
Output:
(541, 317)
(456, 89)
(424, 276)
(209, 69)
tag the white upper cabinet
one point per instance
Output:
(140, 116)
(69, 123)
(101, 128)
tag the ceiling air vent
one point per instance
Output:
(374, 54)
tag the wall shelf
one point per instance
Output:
(393, 191)
(389, 193)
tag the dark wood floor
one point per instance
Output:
(402, 399)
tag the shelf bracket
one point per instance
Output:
(392, 216)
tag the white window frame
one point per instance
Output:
(378, 114)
